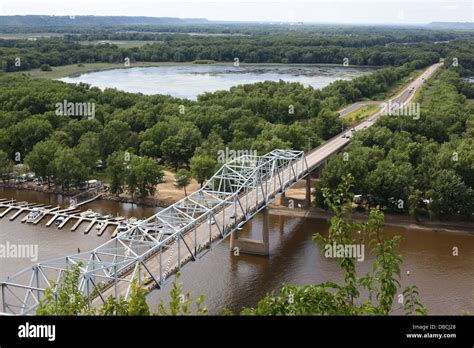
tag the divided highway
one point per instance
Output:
(320, 154)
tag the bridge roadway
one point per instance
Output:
(320, 154)
(184, 232)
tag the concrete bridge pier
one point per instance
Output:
(252, 246)
(308, 191)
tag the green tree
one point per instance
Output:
(6, 166)
(202, 168)
(29, 132)
(211, 146)
(181, 302)
(182, 179)
(46, 67)
(113, 137)
(88, 150)
(68, 169)
(143, 175)
(178, 149)
(449, 195)
(116, 171)
(137, 306)
(40, 159)
(65, 298)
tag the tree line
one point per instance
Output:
(274, 48)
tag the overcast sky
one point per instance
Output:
(322, 11)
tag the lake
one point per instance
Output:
(188, 81)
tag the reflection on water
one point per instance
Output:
(191, 80)
(445, 281)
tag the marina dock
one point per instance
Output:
(60, 217)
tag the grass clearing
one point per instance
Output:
(19, 36)
(361, 113)
(120, 43)
(77, 69)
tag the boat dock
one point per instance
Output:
(60, 217)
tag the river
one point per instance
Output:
(188, 81)
(446, 282)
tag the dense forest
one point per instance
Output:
(275, 44)
(185, 48)
(260, 117)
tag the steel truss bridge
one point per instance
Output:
(157, 247)
(181, 234)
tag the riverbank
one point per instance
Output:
(165, 195)
(161, 202)
(392, 220)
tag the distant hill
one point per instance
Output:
(451, 25)
(38, 21)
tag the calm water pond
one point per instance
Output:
(188, 81)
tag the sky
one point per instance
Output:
(311, 11)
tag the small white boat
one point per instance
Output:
(34, 215)
(105, 217)
(59, 220)
(86, 213)
(122, 228)
(89, 214)
(99, 225)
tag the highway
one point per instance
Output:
(320, 154)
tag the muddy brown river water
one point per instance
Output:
(446, 282)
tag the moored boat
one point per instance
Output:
(34, 215)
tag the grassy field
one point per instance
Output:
(75, 69)
(120, 43)
(361, 113)
(12, 36)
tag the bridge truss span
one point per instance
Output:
(155, 248)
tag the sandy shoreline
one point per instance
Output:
(393, 220)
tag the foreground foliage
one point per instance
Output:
(67, 300)
(371, 294)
